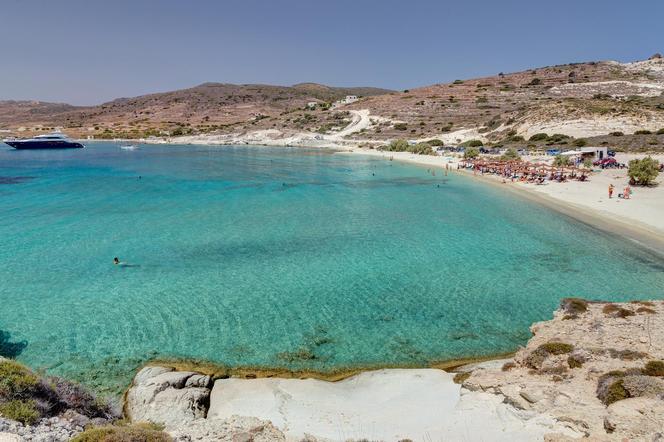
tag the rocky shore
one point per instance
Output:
(593, 372)
(596, 367)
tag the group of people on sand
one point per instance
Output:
(524, 172)
(627, 192)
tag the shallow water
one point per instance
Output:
(279, 257)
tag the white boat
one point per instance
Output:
(129, 147)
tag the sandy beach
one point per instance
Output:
(640, 218)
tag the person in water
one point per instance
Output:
(116, 261)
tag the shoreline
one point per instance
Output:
(218, 370)
(553, 388)
(646, 236)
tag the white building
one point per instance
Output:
(350, 99)
(592, 153)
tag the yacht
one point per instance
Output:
(55, 140)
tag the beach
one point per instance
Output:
(639, 218)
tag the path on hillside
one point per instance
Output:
(360, 120)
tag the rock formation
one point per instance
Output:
(596, 367)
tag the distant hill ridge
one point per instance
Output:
(577, 99)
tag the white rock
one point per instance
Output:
(149, 372)
(167, 397)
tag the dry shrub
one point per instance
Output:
(574, 306)
(654, 368)
(646, 303)
(124, 433)
(507, 366)
(626, 355)
(616, 311)
(460, 378)
(610, 387)
(574, 362)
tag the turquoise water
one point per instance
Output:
(280, 257)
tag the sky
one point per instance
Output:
(91, 51)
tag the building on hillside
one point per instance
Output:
(350, 99)
(312, 105)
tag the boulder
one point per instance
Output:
(168, 397)
(636, 418)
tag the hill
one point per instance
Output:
(207, 107)
(580, 99)
(605, 102)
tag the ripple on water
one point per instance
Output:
(280, 258)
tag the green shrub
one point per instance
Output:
(400, 126)
(510, 155)
(616, 392)
(580, 142)
(643, 132)
(541, 353)
(24, 411)
(16, 379)
(436, 142)
(654, 368)
(399, 145)
(557, 348)
(470, 153)
(421, 149)
(557, 138)
(661, 131)
(561, 161)
(124, 433)
(472, 143)
(457, 82)
(616, 134)
(535, 82)
(539, 137)
(643, 172)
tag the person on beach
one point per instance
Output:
(627, 191)
(611, 187)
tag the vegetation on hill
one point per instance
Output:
(502, 108)
(27, 397)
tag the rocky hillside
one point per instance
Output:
(596, 367)
(606, 102)
(204, 108)
(580, 100)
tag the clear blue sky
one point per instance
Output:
(89, 51)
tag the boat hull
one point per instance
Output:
(55, 144)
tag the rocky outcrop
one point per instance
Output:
(180, 400)
(595, 367)
(165, 396)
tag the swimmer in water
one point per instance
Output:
(116, 261)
